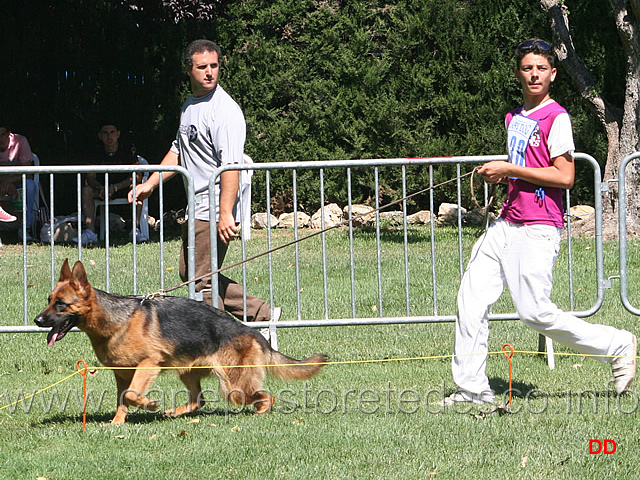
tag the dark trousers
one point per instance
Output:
(230, 293)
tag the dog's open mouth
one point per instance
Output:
(59, 331)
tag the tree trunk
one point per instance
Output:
(621, 126)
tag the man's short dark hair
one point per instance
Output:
(536, 46)
(199, 46)
(108, 121)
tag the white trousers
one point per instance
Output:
(520, 257)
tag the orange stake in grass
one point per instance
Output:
(509, 355)
(81, 366)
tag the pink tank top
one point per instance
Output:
(527, 137)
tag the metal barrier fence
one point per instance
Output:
(397, 296)
(59, 251)
(622, 228)
(436, 313)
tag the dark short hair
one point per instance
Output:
(199, 46)
(537, 46)
(5, 124)
(108, 121)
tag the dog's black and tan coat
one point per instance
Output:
(168, 332)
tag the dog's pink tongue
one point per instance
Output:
(53, 336)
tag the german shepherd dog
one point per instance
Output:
(176, 332)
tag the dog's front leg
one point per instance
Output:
(121, 415)
(123, 380)
(143, 377)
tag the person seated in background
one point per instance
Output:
(15, 152)
(110, 151)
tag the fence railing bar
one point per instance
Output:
(243, 247)
(325, 282)
(134, 215)
(405, 233)
(161, 220)
(432, 229)
(51, 248)
(352, 275)
(297, 245)
(269, 239)
(378, 243)
(79, 216)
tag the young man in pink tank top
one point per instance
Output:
(520, 248)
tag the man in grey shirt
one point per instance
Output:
(212, 133)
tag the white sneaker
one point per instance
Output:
(624, 367)
(265, 333)
(277, 313)
(462, 396)
(88, 237)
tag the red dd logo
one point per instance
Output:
(607, 446)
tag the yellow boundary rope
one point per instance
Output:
(39, 391)
(340, 362)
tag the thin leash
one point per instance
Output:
(164, 291)
(484, 208)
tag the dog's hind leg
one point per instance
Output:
(229, 390)
(243, 386)
(191, 379)
(262, 401)
(247, 390)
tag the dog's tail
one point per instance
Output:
(289, 368)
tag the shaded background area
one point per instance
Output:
(317, 80)
(75, 63)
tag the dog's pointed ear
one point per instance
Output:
(65, 271)
(79, 274)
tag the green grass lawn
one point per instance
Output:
(366, 416)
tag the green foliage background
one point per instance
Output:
(317, 79)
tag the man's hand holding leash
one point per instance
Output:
(494, 172)
(143, 191)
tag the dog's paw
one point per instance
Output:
(170, 413)
(152, 406)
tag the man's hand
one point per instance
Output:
(227, 228)
(560, 174)
(143, 191)
(494, 172)
(228, 194)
